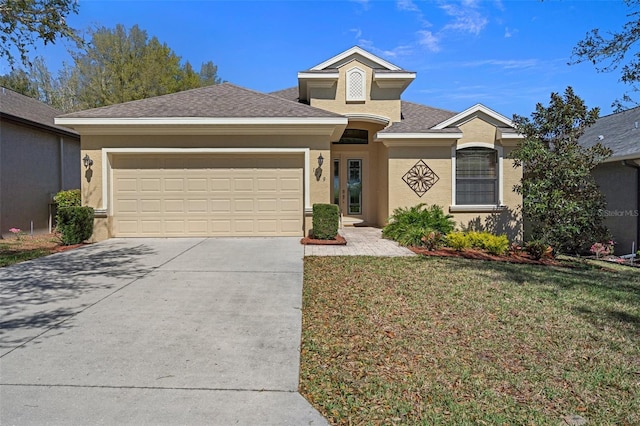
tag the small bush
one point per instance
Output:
(433, 240)
(75, 224)
(326, 219)
(496, 244)
(408, 225)
(538, 249)
(458, 240)
(69, 198)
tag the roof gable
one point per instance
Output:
(359, 53)
(477, 110)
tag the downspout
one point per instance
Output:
(637, 167)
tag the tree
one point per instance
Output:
(610, 51)
(19, 81)
(120, 65)
(560, 196)
(23, 20)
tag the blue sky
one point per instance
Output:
(508, 55)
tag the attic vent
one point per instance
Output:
(356, 85)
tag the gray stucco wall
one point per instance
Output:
(32, 167)
(619, 184)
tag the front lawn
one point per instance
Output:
(455, 341)
(14, 250)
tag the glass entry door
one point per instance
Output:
(347, 186)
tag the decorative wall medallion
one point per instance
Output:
(420, 178)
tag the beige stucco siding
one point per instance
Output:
(96, 146)
(34, 165)
(438, 155)
(382, 102)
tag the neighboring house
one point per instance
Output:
(224, 160)
(619, 175)
(37, 159)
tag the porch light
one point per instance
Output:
(88, 162)
(320, 160)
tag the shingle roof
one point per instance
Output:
(32, 110)
(291, 94)
(620, 132)
(417, 118)
(222, 100)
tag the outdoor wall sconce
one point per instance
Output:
(88, 162)
(318, 171)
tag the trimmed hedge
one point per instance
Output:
(494, 244)
(69, 198)
(75, 224)
(326, 219)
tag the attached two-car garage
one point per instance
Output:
(173, 195)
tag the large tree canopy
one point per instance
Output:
(116, 65)
(22, 21)
(608, 52)
(561, 199)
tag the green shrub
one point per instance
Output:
(69, 198)
(433, 240)
(326, 219)
(538, 249)
(75, 224)
(408, 225)
(458, 240)
(496, 244)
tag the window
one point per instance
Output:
(354, 136)
(477, 176)
(356, 85)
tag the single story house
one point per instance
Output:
(224, 160)
(37, 159)
(619, 175)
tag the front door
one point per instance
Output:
(347, 188)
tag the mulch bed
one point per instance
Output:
(513, 257)
(337, 241)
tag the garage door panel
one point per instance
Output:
(209, 196)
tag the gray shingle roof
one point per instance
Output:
(620, 132)
(417, 118)
(291, 94)
(31, 110)
(220, 101)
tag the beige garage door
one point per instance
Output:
(207, 195)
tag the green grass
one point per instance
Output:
(454, 341)
(14, 250)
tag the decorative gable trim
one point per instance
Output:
(471, 113)
(358, 51)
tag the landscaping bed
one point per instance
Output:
(19, 249)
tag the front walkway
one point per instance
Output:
(361, 241)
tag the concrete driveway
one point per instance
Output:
(155, 331)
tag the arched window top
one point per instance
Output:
(356, 85)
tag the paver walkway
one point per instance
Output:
(361, 241)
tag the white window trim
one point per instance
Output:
(107, 171)
(348, 74)
(454, 207)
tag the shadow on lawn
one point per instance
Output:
(40, 294)
(604, 290)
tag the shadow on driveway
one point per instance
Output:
(38, 294)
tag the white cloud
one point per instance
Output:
(402, 50)
(407, 5)
(466, 16)
(507, 64)
(428, 40)
(357, 32)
